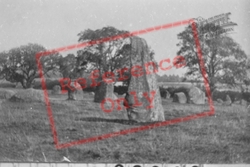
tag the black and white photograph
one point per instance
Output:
(125, 83)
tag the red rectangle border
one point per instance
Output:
(136, 129)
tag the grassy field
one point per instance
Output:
(26, 135)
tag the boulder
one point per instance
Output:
(50, 83)
(28, 95)
(180, 98)
(228, 100)
(92, 93)
(6, 94)
(220, 101)
(196, 96)
(236, 102)
(56, 89)
(243, 102)
(19, 85)
(37, 83)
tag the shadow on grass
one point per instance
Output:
(119, 121)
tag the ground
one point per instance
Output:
(26, 134)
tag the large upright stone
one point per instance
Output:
(228, 100)
(143, 97)
(196, 96)
(104, 91)
(168, 95)
(75, 91)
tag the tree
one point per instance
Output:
(19, 64)
(104, 56)
(247, 79)
(224, 60)
(3, 60)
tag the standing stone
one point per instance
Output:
(104, 94)
(168, 95)
(56, 89)
(104, 91)
(180, 98)
(228, 100)
(196, 96)
(75, 91)
(143, 85)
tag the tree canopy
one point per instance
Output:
(19, 64)
(105, 56)
(223, 58)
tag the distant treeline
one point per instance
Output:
(169, 78)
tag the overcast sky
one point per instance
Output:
(56, 23)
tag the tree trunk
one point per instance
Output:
(70, 95)
(28, 84)
(70, 91)
(23, 83)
